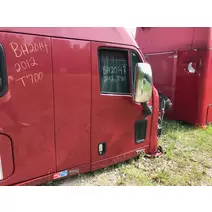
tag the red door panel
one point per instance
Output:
(26, 111)
(187, 87)
(72, 82)
(205, 88)
(113, 119)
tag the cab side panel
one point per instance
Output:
(26, 110)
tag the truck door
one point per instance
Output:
(72, 88)
(26, 109)
(118, 127)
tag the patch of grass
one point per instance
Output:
(160, 176)
(133, 176)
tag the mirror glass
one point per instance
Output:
(142, 84)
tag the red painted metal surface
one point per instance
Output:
(188, 94)
(72, 89)
(26, 116)
(164, 68)
(165, 39)
(169, 51)
(206, 88)
(54, 113)
(50, 177)
(104, 34)
(153, 140)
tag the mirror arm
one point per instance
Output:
(147, 109)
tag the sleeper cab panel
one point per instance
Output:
(27, 116)
(72, 86)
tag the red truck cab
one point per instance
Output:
(72, 100)
(180, 58)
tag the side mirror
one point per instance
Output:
(142, 85)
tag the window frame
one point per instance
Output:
(133, 69)
(126, 50)
(3, 72)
